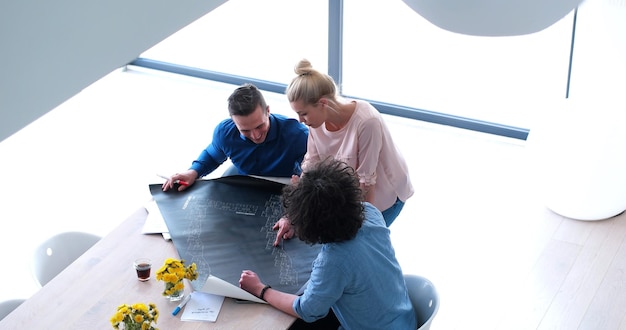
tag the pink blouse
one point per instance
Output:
(366, 145)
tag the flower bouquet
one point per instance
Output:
(172, 273)
(135, 317)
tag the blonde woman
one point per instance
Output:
(354, 132)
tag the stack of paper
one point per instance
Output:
(155, 224)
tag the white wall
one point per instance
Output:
(51, 50)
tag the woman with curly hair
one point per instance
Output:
(356, 275)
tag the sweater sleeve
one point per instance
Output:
(370, 142)
(211, 157)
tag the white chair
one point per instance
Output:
(424, 298)
(581, 176)
(59, 251)
(7, 306)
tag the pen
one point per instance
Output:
(184, 183)
(181, 305)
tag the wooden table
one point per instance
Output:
(86, 294)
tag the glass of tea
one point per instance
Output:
(143, 266)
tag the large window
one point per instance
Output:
(599, 62)
(250, 38)
(390, 55)
(393, 55)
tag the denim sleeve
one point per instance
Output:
(325, 287)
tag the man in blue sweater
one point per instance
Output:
(256, 141)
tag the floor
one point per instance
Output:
(476, 226)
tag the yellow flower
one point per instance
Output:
(135, 317)
(140, 307)
(118, 317)
(155, 312)
(173, 272)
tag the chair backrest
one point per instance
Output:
(424, 298)
(59, 251)
(7, 306)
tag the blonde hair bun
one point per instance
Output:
(303, 67)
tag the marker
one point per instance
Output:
(184, 183)
(181, 305)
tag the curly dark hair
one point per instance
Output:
(325, 206)
(244, 100)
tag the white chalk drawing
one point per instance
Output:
(225, 229)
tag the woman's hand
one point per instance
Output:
(285, 230)
(295, 179)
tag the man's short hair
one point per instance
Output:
(326, 205)
(244, 100)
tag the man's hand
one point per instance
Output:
(188, 176)
(285, 231)
(251, 282)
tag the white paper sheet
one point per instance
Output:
(202, 307)
(220, 287)
(155, 224)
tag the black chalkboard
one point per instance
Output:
(225, 225)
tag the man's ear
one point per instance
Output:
(267, 110)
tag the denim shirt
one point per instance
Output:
(360, 280)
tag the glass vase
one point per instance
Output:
(175, 291)
(177, 295)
